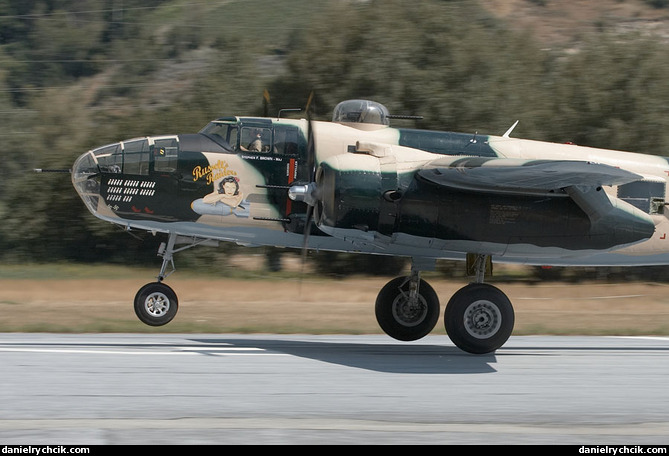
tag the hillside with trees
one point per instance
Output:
(79, 74)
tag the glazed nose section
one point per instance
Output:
(86, 180)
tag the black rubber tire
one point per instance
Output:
(156, 304)
(397, 319)
(479, 318)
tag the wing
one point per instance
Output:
(579, 180)
(503, 175)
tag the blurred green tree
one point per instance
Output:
(77, 74)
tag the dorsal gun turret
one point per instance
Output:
(361, 111)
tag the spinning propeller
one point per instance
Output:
(307, 193)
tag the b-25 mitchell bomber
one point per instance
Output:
(356, 184)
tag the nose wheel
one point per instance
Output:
(156, 304)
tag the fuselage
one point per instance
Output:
(229, 182)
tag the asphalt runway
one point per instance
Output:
(98, 389)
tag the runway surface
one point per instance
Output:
(88, 389)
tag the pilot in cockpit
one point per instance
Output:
(256, 144)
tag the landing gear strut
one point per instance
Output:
(156, 304)
(479, 318)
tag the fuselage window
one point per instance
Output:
(165, 155)
(136, 157)
(645, 195)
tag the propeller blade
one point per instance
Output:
(309, 100)
(307, 193)
(311, 155)
(265, 103)
(305, 242)
(307, 230)
(311, 152)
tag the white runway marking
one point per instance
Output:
(227, 351)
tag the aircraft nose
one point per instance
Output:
(86, 180)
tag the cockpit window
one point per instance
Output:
(110, 158)
(136, 157)
(165, 155)
(256, 136)
(286, 139)
(223, 133)
(256, 139)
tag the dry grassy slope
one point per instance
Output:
(563, 23)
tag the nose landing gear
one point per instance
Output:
(156, 304)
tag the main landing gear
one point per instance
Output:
(478, 318)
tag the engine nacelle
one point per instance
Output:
(349, 197)
(364, 189)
